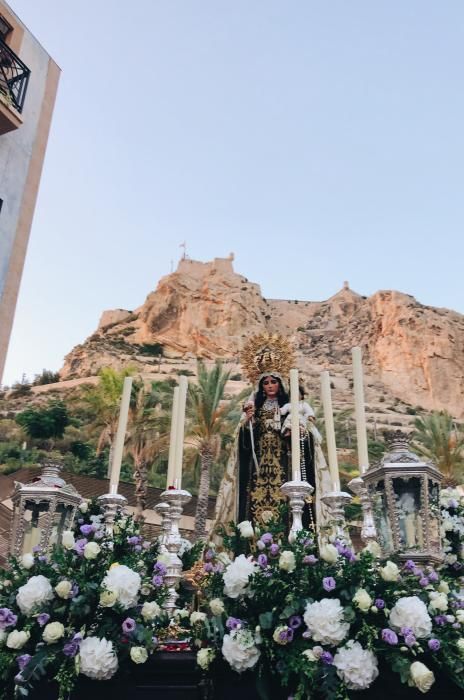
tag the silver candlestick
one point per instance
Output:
(337, 502)
(368, 530)
(163, 510)
(112, 504)
(176, 499)
(296, 492)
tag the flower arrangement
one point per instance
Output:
(452, 530)
(325, 620)
(88, 608)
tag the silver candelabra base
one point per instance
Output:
(368, 529)
(112, 504)
(163, 510)
(176, 500)
(297, 493)
(337, 502)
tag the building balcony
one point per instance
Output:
(14, 77)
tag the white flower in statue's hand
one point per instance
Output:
(357, 667)
(27, 561)
(53, 632)
(411, 612)
(216, 606)
(421, 677)
(68, 540)
(390, 572)
(17, 639)
(63, 589)
(35, 592)
(138, 655)
(91, 550)
(98, 659)
(362, 599)
(246, 529)
(150, 610)
(125, 583)
(197, 617)
(324, 620)
(287, 561)
(239, 650)
(438, 601)
(204, 657)
(236, 576)
(328, 553)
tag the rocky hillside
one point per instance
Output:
(413, 354)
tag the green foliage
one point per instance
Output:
(47, 377)
(44, 423)
(438, 438)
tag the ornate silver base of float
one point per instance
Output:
(112, 504)
(337, 502)
(368, 529)
(163, 510)
(297, 493)
(176, 499)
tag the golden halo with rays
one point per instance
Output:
(267, 353)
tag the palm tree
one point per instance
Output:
(211, 423)
(439, 439)
(148, 433)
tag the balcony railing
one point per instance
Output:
(14, 77)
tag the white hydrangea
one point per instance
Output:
(324, 620)
(35, 592)
(236, 576)
(411, 612)
(150, 610)
(239, 650)
(98, 659)
(216, 606)
(287, 561)
(438, 601)
(357, 667)
(246, 529)
(125, 583)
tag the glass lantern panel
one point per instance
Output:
(34, 521)
(434, 516)
(408, 507)
(381, 517)
(60, 519)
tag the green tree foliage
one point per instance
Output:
(438, 438)
(47, 423)
(47, 377)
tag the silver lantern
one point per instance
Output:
(404, 492)
(42, 510)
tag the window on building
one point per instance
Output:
(5, 28)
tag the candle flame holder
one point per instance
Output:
(112, 505)
(176, 499)
(297, 493)
(337, 502)
(368, 529)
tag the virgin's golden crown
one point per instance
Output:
(267, 353)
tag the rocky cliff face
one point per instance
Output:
(413, 353)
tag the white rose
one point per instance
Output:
(150, 610)
(68, 540)
(35, 592)
(390, 572)
(421, 677)
(125, 583)
(108, 598)
(239, 650)
(356, 666)
(374, 548)
(17, 639)
(443, 587)
(411, 612)
(310, 655)
(83, 506)
(246, 529)
(328, 553)
(216, 606)
(52, 632)
(197, 617)
(362, 599)
(204, 658)
(91, 550)
(460, 616)
(63, 589)
(27, 561)
(236, 576)
(324, 620)
(138, 655)
(438, 601)
(287, 561)
(182, 614)
(98, 659)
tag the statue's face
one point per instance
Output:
(270, 387)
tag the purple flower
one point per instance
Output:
(128, 625)
(71, 648)
(433, 577)
(267, 538)
(157, 581)
(274, 550)
(74, 590)
(379, 603)
(424, 581)
(86, 530)
(36, 548)
(7, 618)
(295, 622)
(440, 620)
(328, 583)
(389, 636)
(417, 571)
(209, 555)
(23, 660)
(98, 535)
(405, 631)
(42, 557)
(232, 623)
(160, 568)
(262, 560)
(452, 503)
(43, 618)
(138, 547)
(146, 544)
(133, 540)
(434, 644)
(308, 543)
(409, 640)
(286, 635)
(208, 567)
(79, 546)
(309, 559)
(326, 658)
(409, 565)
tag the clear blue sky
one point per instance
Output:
(319, 141)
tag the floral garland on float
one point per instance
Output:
(452, 531)
(89, 607)
(321, 622)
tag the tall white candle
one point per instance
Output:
(121, 433)
(295, 421)
(361, 431)
(329, 429)
(180, 427)
(172, 439)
